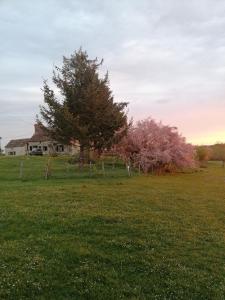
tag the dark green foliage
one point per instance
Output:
(86, 110)
(143, 237)
(203, 155)
(218, 152)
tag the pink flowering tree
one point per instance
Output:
(153, 146)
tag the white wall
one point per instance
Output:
(18, 150)
(51, 147)
(69, 150)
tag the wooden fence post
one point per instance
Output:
(103, 168)
(21, 170)
(47, 170)
(90, 168)
(128, 170)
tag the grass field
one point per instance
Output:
(89, 236)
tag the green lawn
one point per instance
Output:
(89, 236)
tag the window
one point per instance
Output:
(60, 148)
(45, 148)
(12, 153)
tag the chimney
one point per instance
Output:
(37, 129)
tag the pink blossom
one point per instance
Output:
(154, 146)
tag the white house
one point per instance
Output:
(16, 147)
(39, 140)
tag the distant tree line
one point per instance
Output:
(213, 152)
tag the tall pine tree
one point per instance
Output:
(85, 111)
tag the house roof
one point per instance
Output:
(38, 136)
(17, 143)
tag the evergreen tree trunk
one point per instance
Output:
(87, 154)
(81, 158)
(99, 152)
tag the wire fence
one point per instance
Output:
(47, 168)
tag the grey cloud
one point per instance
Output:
(153, 49)
(163, 101)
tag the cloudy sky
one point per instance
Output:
(166, 57)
